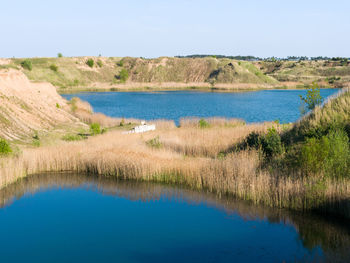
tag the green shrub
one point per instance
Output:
(5, 147)
(90, 62)
(253, 140)
(271, 143)
(123, 75)
(95, 128)
(75, 82)
(36, 140)
(27, 64)
(328, 155)
(120, 63)
(122, 122)
(154, 143)
(99, 63)
(203, 123)
(312, 99)
(59, 55)
(58, 106)
(53, 67)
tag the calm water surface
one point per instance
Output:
(252, 106)
(71, 218)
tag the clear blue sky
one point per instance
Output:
(152, 28)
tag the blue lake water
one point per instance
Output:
(71, 218)
(252, 106)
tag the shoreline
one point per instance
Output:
(188, 88)
(138, 157)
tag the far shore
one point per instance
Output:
(151, 87)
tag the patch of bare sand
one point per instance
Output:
(26, 107)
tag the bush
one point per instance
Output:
(122, 122)
(5, 147)
(95, 128)
(203, 123)
(271, 143)
(154, 143)
(329, 154)
(120, 63)
(253, 140)
(59, 55)
(90, 62)
(123, 75)
(99, 63)
(53, 67)
(27, 64)
(312, 99)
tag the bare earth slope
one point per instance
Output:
(26, 107)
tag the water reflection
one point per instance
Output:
(315, 232)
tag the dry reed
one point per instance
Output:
(127, 156)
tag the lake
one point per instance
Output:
(79, 218)
(252, 106)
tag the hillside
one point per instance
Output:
(333, 114)
(27, 107)
(113, 73)
(330, 72)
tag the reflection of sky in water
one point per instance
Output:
(103, 220)
(253, 106)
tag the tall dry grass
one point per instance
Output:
(83, 110)
(194, 122)
(127, 156)
(208, 142)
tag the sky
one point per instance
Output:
(153, 28)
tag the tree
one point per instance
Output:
(312, 99)
(59, 55)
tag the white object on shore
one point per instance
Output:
(142, 128)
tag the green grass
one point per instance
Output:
(5, 148)
(73, 137)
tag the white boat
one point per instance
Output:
(142, 128)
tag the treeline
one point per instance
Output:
(253, 58)
(248, 58)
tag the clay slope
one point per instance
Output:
(26, 107)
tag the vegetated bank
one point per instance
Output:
(268, 164)
(72, 74)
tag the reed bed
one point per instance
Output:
(208, 142)
(127, 156)
(194, 122)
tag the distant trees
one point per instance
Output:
(248, 58)
(344, 60)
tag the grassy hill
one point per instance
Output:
(333, 73)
